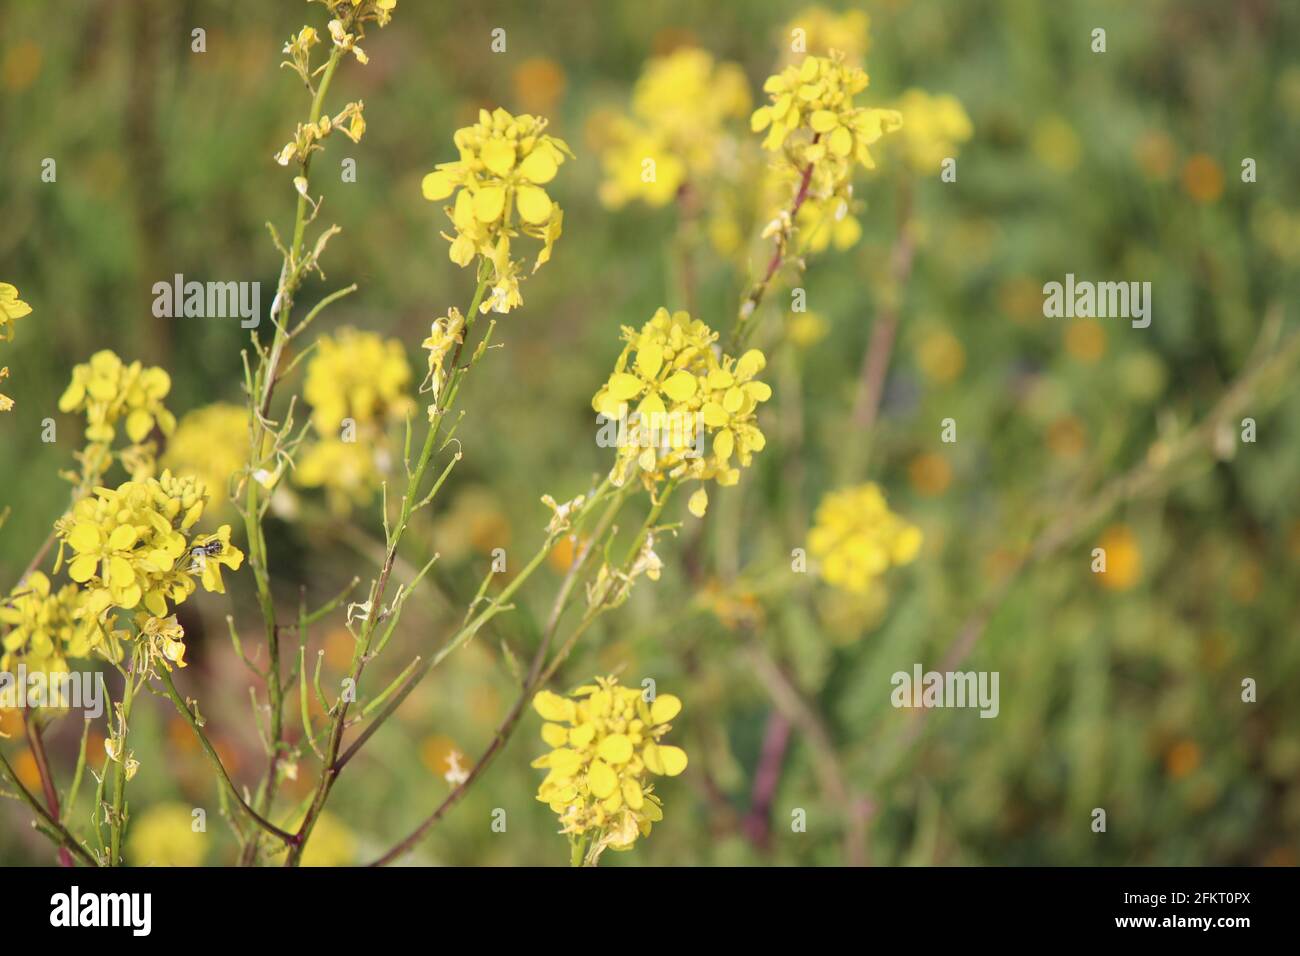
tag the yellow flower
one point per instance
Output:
(356, 384)
(444, 335)
(129, 545)
(505, 163)
(359, 376)
(210, 443)
(933, 128)
(166, 637)
(605, 742)
(680, 108)
(820, 134)
(164, 835)
(855, 538)
(823, 30)
(109, 391)
(682, 394)
(12, 309)
(45, 627)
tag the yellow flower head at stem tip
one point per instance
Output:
(606, 745)
(815, 126)
(505, 163)
(694, 409)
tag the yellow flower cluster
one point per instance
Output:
(131, 547)
(356, 384)
(676, 130)
(45, 626)
(505, 161)
(12, 309)
(933, 127)
(108, 391)
(818, 30)
(856, 538)
(605, 742)
(683, 393)
(813, 122)
(211, 443)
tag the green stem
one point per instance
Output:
(183, 709)
(332, 766)
(118, 823)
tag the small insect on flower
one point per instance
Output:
(200, 553)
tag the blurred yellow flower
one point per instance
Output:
(1085, 340)
(806, 329)
(331, 843)
(1056, 144)
(539, 84)
(855, 538)
(210, 443)
(940, 356)
(1202, 179)
(676, 130)
(1123, 558)
(934, 126)
(930, 474)
(164, 835)
(357, 386)
(605, 742)
(45, 627)
(818, 30)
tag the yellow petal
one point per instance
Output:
(539, 166)
(499, 156)
(750, 364)
(633, 794)
(488, 203)
(714, 416)
(602, 780)
(82, 568)
(122, 538)
(649, 359)
(437, 185)
(121, 574)
(615, 749)
(85, 537)
(533, 203)
(841, 142)
(724, 442)
(665, 708)
(552, 706)
(138, 425)
(555, 735)
(674, 760)
(699, 503)
(823, 121)
(680, 386)
(623, 386)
